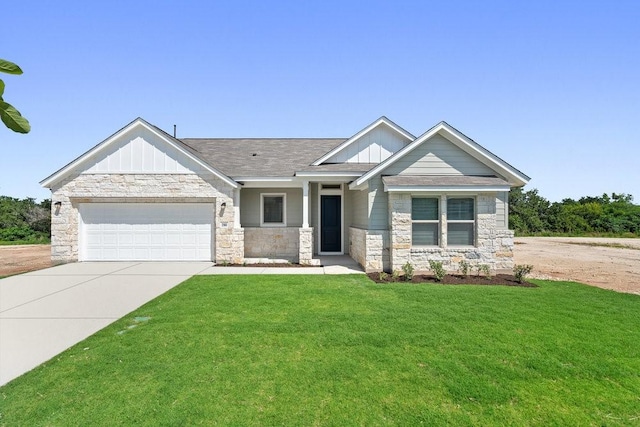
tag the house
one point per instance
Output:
(383, 196)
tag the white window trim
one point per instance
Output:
(284, 210)
(428, 221)
(473, 221)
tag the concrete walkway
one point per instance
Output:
(44, 312)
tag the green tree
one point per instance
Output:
(527, 211)
(9, 115)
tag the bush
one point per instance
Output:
(463, 268)
(438, 270)
(408, 271)
(521, 271)
(484, 269)
(382, 276)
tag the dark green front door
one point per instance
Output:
(330, 224)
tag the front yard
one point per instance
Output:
(341, 350)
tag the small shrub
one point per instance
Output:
(463, 268)
(382, 276)
(395, 275)
(521, 271)
(408, 271)
(484, 269)
(438, 270)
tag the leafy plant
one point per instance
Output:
(407, 268)
(484, 269)
(8, 113)
(520, 271)
(437, 269)
(383, 276)
(395, 275)
(463, 268)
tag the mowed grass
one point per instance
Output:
(341, 350)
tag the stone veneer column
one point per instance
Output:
(400, 219)
(305, 247)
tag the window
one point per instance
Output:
(425, 230)
(273, 209)
(460, 222)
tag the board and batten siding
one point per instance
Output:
(374, 147)
(502, 210)
(250, 205)
(438, 156)
(142, 152)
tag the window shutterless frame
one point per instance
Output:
(461, 221)
(273, 209)
(425, 221)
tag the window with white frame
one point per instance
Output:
(461, 220)
(273, 209)
(425, 222)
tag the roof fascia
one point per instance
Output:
(465, 142)
(56, 176)
(328, 174)
(354, 138)
(446, 189)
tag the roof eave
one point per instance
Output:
(364, 131)
(446, 189)
(61, 173)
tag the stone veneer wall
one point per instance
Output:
(369, 248)
(148, 188)
(272, 242)
(493, 247)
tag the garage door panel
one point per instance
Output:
(146, 231)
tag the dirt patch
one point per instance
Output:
(23, 258)
(454, 279)
(609, 263)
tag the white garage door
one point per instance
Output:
(146, 231)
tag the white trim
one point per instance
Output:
(321, 174)
(61, 173)
(305, 204)
(263, 179)
(330, 192)
(284, 210)
(456, 189)
(462, 142)
(357, 136)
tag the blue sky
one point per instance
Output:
(553, 87)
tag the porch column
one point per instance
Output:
(236, 208)
(305, 204)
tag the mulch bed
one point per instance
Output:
(455, 279)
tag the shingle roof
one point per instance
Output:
(260, 157)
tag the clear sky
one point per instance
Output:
(553, 87)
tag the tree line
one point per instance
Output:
(532, 214)
(24, 220)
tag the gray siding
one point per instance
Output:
(438, 156)
(502, 210)
(378, 205)
(359, 209)
(250, 205)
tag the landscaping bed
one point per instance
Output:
(453, 279)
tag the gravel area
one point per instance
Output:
(609, 263)
(23, 258)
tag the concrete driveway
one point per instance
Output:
(44, 312)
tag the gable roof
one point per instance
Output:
(514, 176)
(382, 120)
(139, 122)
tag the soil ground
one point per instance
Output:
(610, 263)
(23, 258)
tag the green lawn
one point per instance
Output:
(341, 350)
